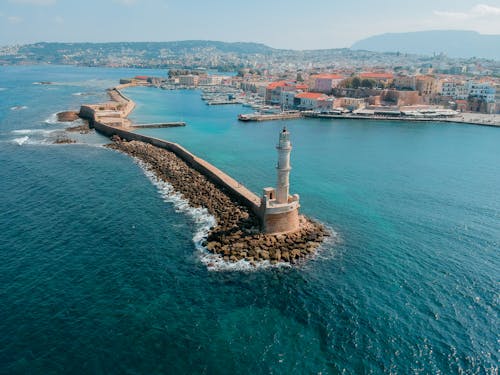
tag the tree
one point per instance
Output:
(356, 83)
(368, 83)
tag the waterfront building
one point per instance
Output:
(481, 90)
(288, 100)
(449, 89)
(188, 80)
(280, 210)
(309, 100)
(274, 90)
(211, 80)
(462, 92)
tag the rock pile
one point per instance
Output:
(67, 116)
(237, 234)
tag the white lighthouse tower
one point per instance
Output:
(280, 211)
(284, 148)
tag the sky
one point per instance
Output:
(294, 24)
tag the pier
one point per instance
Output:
(270, 117)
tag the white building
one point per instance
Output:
(482, 90)
(449, 88)
(462, 92)
(288, 99)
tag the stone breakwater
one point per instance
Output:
(236, 235)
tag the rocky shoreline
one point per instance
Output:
(236, 235)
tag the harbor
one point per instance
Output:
(249, 228)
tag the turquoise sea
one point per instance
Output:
(99, 273)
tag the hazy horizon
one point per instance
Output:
(280, 24)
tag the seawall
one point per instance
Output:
(212, 173)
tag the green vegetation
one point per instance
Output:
(357, 83)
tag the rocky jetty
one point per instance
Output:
(237, 234)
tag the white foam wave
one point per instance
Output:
(18, 107)
(324, 250)
(24, 141)
(52, 119)
(78, 94)
(201, 217)
(32, 131)
(21, 141)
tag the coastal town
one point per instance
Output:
(285, 84)
(249, 187)
(388, 94)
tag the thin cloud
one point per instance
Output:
(486, 10)
(478, 11)
(14, 19)
(34, 2)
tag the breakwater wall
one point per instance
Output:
(212, 173)
(174, 124)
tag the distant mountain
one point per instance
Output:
(453, 43)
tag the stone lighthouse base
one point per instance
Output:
(279, 217)
(284, 222)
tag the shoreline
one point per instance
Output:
(237, 234)
(467, 118)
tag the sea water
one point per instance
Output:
(100, 271)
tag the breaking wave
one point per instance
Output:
(32, 131)
(52, 119)
(21, 141)
(26, 140)
(18, 108)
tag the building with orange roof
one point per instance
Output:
(309, 100)
(274, 90)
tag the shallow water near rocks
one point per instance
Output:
(99, 274)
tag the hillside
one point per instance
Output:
(464, 44)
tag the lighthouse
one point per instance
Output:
(284, 148)
(279, 209)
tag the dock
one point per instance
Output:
(270, 117)
(222, 102)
